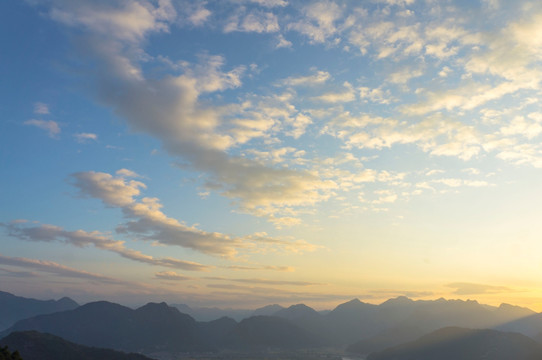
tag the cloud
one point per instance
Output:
(169, 108)
(41, 108)
(267, 3)
(282, 42)
(53, 268)
(347, 95)
(266, 281)
(113, 191)
(268, 267)
(127, 173)
(435, 135)
(319, 77)
(148, 222)
(48, 125)
(462, 288)
(170, 275)
(319, 20)
(80, 238)
(255, 21)
(85, 137)
(127, 21)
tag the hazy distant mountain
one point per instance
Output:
(267, 310)
(297, 312)
(264, 332)
(213, 313)
(351, 321)
(14, 308)
(455, 343)
(33, 345)
(402, 319)
(215, 332)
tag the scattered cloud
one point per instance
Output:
(148, 222)
(80, 238)
(170, 275)
(54, 268)
(462, 288)
(318, 22)
(48, 125)
(266, 281)
(85, 137)
(41, 108)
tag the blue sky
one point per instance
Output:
(247, 152)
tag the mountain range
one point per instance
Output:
(358, 327)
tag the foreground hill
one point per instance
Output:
(453, 343)
(14, 308)
(33, 345)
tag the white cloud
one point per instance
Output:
(50, 126)
(85, 137)
(41, 108)
(255, 21)
(319, 77)
(282, 42)
(347, 95)
(127, 173)
(127, 21)
(319, 21)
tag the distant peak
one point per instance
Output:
(353, 301)
(400, 300)
(153, 305)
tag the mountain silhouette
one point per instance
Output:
(453, 343)
(14, 308)
(33, 345)
(264, 332)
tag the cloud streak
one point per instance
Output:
(80, 238)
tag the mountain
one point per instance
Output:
(385, 339)
(264, 332)
(351, 321)
(14, 308)
(267, 310)
(216, 332)
(402, 319)
(158, 328)
(454, 343)
(298, 311)
(213, 313)
(33, 345)
(150, 328)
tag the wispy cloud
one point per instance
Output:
(41, 108)
(170, 275)
(85, 137)
(50, 126)
(54, 268)
(148, 222)
(80, 238)
(464, 288)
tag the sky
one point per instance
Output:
(239, 153)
